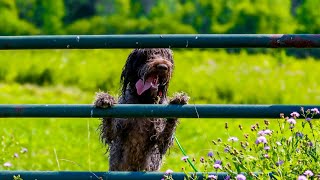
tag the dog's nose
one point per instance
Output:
(162, 67)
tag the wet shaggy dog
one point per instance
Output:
(139, 144)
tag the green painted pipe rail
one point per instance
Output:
(161, 41)
(150, 110)
(81, 175)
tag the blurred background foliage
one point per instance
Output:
(36, 17)
(158, 16)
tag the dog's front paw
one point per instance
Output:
(104, 100)
(180, 98)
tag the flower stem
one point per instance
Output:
(184, 153)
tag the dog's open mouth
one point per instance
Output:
(143, 85)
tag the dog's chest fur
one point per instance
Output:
(138, 138)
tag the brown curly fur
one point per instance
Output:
(139, 144)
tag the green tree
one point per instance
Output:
(197, 14)
(114, 7)
(166, 17)
(80, 9)
(11, 24)
(26, 9)
(254, 16)
(308, 17)
(141, 8)
(49, 15)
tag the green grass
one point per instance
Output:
(208, 76)
(76, 141)
(72, 77)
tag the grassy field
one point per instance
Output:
(72, 77)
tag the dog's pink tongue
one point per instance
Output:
(142, 87)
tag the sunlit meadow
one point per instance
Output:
(73, 77)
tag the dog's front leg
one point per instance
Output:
(105, 100)
(166, 139)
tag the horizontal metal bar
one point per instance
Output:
(150, 110)
(161, 41)
(82, 175)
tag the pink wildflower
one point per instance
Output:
(267, 132)
(184, 158)
(295, 114)
(240, 177)
(261, 133)
(233, 139)
(308, 173)
(291, 121)
(266, 148)
(7, 164)
(217, 166)
(315, 110)
(262, 140)
(212, 177)
(169, 171)
(302, 177)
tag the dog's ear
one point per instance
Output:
(131, 68)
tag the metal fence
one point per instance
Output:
(162, 41)
(140, 110)
(150, 110)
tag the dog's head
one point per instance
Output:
(147, 72)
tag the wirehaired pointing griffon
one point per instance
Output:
(139, 144)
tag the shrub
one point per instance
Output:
(43, 77)
(12, 24)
